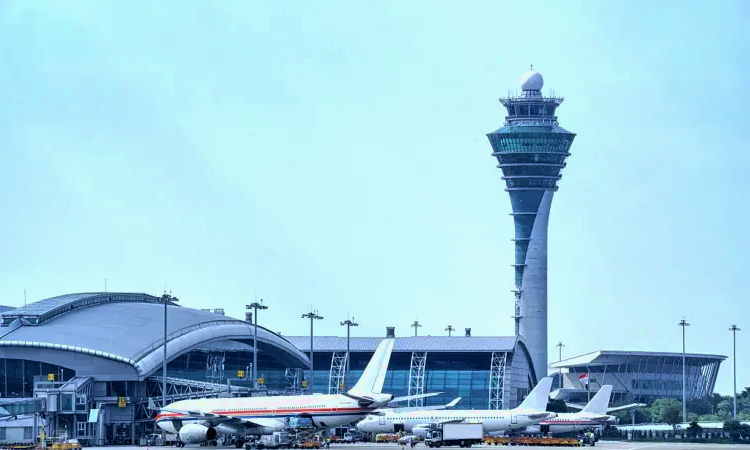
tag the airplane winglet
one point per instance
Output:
(453, 403)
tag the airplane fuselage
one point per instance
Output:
(491, 420)
(566, 423)
(324, 411)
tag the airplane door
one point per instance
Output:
(381, 420)
(513, 418)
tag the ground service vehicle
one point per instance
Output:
(461, 434)
(279, 439)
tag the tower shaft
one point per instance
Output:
(531, 149)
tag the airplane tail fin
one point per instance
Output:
(600, 402)
(371, 381)
(539, 396)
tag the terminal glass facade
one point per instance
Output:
(465, 375)
(17, 376)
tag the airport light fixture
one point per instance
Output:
(683, 324)
(415, 325)
(166, 298)
(559, 346)
(734, 331)
(349, 323)
(313, 316)
(255, 306)
(449, 329)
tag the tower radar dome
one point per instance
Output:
(531, 80)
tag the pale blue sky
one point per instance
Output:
(334, 154)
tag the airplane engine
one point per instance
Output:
(197, 434)
(419, 431)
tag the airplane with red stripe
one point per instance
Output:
(202, 420)
(593, 415)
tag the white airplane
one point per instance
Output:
(201, 420)
(530, 411)
(593, 415)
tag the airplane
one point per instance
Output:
(530, 411)
(593, 415)
(201, 420)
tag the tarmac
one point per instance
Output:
(605, 445)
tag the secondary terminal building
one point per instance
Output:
(635, 376)
(85, 365)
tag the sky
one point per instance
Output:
(333, 155)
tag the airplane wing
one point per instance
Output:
(444, 421)
(630, 406)
(216, 418)
(613, 409)
(411, 397)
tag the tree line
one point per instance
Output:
(714, 408)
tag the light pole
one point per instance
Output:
(734, 331)
(256, 306)
(166, 298)
(560, 345)
(349, 324)
(416, 325)
(683, 324)
(449, 329)
(312, 315)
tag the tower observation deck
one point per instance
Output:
(531, 149)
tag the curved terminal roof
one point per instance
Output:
(102, 324)
(613, 357)
(410, 344)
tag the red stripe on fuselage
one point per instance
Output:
(266, 412)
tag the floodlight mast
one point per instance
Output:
(415, 325)
(312, 315)
(255, 306)
(683, 324)
(349, 323)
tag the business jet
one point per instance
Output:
(592, 416)
(201, 420)
(529, 412)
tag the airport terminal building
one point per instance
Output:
(635, 376)
(89, 362)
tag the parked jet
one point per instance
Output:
(593, 415)
(201, 420)
(529, 412)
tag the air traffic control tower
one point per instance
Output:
(531, 148)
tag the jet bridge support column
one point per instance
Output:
(416, 378)
(497, 381)
(337, 373)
